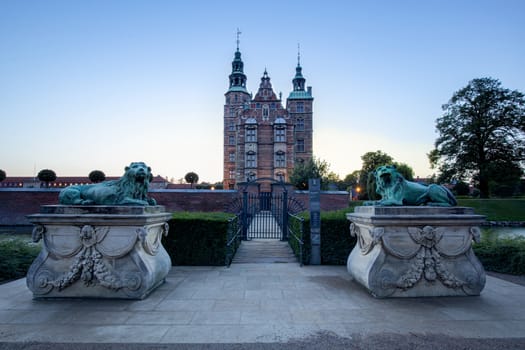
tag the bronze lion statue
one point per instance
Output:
(130, 189)
(396, 190)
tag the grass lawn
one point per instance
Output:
(497, 209)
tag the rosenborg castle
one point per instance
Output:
(263, 138)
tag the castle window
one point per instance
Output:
(231, 140)
(251, 134)
(299, 126)
(235, 97)
(232, 156)
(231, 173)
(251, 160)
(265, 112)
(300, 107)
(299, 146)
(280, 159)
(231, 126)
(280, 134)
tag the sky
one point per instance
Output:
(98, 84)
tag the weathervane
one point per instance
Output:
(298, 54)
(238, 34)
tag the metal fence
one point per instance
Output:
(295, 235)
(233, 238)
(264, 215)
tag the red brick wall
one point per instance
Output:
(15, 204)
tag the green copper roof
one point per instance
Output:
(237, 88)
(300, 95)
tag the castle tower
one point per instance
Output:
(262, 139)
(299, 105)
(237, 98)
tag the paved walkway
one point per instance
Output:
(260, 303)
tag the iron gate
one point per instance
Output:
(264, 215)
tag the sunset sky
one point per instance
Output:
(90, 85)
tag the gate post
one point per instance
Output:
(314, 188)
(244, 216)
(285, 216)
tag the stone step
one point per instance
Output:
(260, 251)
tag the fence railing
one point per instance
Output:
(233, 239)
(295, 235)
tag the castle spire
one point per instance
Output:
(237, 78)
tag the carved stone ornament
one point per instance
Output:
(394, 258)
(99, 255)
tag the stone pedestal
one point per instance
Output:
(99, 251)
(416, 251)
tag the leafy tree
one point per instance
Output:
(310, 169)
(47, 176)
(97, 176)
(3, 175)
(504, 178)
(371, 160)
(191, 178)
(482, 124)
(461, 188)
(405, 170)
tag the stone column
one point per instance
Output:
(99, 251)
(416, 251)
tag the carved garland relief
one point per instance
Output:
(423, 250)
(93, 254)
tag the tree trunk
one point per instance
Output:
(483, 186)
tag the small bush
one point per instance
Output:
(16, 256)
(197, 238)
(336, 242)
(503, 255)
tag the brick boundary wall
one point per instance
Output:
(16, 203)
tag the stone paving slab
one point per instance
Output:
(254, 303)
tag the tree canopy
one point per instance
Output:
(97, 176)
(310, 169)
(3, 175)
(47, 175)
(191, 178)
(371, 161)
(482, 129)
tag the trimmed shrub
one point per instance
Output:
(503, 255)
(336, 242)
(16, 256)
(197, 238)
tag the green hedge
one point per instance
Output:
(16, 255)
(336, 242)
(197, 238)
(504, 255)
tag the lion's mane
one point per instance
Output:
(396, 190)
